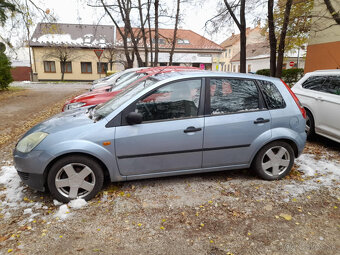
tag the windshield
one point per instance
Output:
(105, 109)
(122, 84)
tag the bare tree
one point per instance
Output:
(174, 39)
(272, 37)
(64, 54)
(276, 68)
(156, 6)
(281, 48)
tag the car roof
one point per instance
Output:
(191, 73)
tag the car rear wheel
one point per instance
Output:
(75, 177)
(310, 128)
(274, 161)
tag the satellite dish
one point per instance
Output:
(2, 47)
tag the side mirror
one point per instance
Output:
(134, 118)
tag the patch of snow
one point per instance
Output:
(13, 192)
(56, 202)
(320, 173)
(59, 39)
(77, 203)
(63, 212)
(28, 211)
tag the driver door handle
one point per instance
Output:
(192, 129)
(261, 120)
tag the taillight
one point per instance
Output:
(303, 111)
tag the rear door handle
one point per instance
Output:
(319, 98)
(261, 120)
(192, 129)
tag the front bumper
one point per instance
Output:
(31, 167)
(34, 181)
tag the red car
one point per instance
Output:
(104, 94)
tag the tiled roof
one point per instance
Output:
(255, 50)
(188, 39)
(234, 38)
(100, 36)
(91, 36)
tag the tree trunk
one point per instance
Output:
(156, 4)
(242, 27)
(146, 62)
(281, 49)
(272, 38)
(335, 14)
(174, 39)
(243, 38)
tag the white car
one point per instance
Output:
(319, 93)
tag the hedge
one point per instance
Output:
(290, 76)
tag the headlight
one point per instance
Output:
(29, 142)
(73, 106)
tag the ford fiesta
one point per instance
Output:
(168, 124)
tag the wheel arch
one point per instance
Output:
(52, 162)
(290, 142)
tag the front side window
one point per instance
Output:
(49, 66)
(172, 101)
(66, 67)
(314, 83)
(86, 67)
(232, 96)
(272, 95)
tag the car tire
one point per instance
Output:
(310, 125)
(74, 177)
(274, 161)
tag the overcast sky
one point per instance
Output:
(195, 15)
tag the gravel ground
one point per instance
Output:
(230, 212)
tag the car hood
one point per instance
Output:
(63, 121)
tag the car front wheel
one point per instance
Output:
(75, 177)
(274, 161)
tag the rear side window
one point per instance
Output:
(272, 95)
(314, 83)
(233, 95)
(332, 85)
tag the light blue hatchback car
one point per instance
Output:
(168, 124)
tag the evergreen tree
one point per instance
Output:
(5, 71)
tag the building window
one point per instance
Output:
(102, 68)
(239, 68)
(183, 41)
(160, 41)
(229, 53)
(228, 67)
(49, 66)
(234, 68)
(66, 67)
(249, 68)
(86, 67)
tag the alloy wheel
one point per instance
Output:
(75, 180)
(275, 161)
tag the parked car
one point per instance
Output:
(104, 94)
(114, 78)
(168, 124)
(319, 93)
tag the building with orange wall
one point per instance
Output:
(323, 51)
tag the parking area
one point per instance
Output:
(231, 212)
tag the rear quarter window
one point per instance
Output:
(272, 95)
